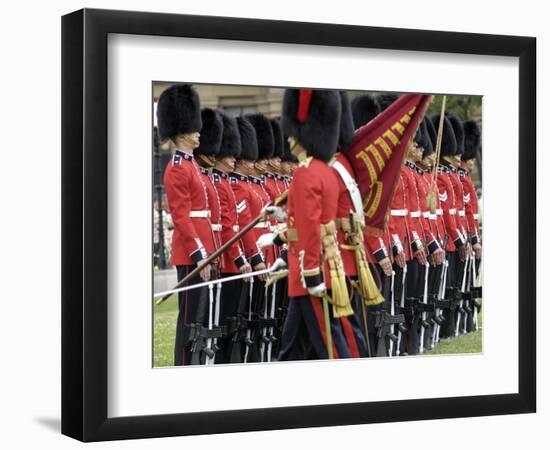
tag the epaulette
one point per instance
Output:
(180, 156)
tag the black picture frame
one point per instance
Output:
(84, 224)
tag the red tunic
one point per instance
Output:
(397, 223)
(214, 206)
(245, 210)
(470, 204)
(312, 201)
(437, 223)
(448, 206)
(345, 206)
(459, 202)
(260, 198)
(188, 204)
(429, 227)
(233, 257)
(414, 216)
(272, 186)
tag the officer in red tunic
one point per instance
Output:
(311, 119)
(233, 259)
(179, 119)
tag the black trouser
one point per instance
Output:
(304, 332)
(447, 327)
(373, 310)
(193, 309)
(229, 304)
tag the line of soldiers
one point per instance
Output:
(395, 294)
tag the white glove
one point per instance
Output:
(279, 264)
(265, 240)
(318, 291)
(278, 213)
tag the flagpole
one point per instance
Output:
(432, 203)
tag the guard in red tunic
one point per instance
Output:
(350, 224)
(472, 136)
(248, 207)
(179, 119)
(233, 259)
(472, 139)
(456, 245)
(311, 119)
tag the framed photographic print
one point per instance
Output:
(273, 224)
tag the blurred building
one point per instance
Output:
(234, 100)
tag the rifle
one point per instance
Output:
(460, 309)
(225, 246)
(423, 323)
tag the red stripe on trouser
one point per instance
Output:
(350, 337)
(318, 311)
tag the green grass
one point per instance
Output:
(165, 316)
(469, 343)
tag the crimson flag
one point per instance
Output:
(377, 152)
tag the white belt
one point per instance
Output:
(476, 216)
(236, 228)
(439, 212)
(273, 228)
(205, 214)
(433, 216)
(415, 214)
(216, 227)
(262, 225)
(461, 213)
(426, 215)
(399, 212)
(452, 211)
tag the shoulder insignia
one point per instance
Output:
(443, 196)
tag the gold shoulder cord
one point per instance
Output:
(340, 300)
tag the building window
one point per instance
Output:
(235, 111)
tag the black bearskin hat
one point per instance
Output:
(249, 143)
(472, 139)
(385, 100)
(448, 141)
(426, 141)
(178, 111)
(231, 138)
(458, 129)
(364, 108)
(277, 137)
(347, 129)
(264, 135)
(432, 131)
(312, 117)
(211, 133)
